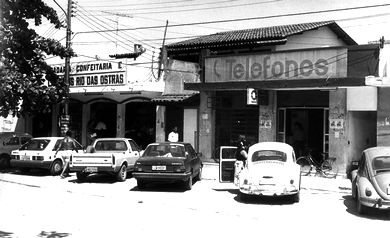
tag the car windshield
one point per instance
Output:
(110, 145)
(164, 151)
(381, 163)
(263, 155)
(35, 144)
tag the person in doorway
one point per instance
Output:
(242, 149)
(173, 135)
(101, 129)
(298, 139)
(67, 145)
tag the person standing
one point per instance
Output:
(67, 145)
(242, 149)
(173, 135)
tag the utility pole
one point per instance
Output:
(65, 118)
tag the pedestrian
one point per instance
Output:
(173, 135)
(67, 145)
(299, 139)
(242, 149)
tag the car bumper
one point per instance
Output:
(161, 176)
(268, 190)
(378, 203)
(38, 164)
(93, 169)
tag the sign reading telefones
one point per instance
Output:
(96, 73)
(305, 64)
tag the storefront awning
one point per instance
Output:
(169, 99)
(278, 84)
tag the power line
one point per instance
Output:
(244, 19)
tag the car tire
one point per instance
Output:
(121, 175)
(361, 209)
(56, 167)
(199, 175)
(81, 176)
(188, 183)
(141, 184)
(296, 197)
(4, 161)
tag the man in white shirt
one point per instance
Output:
(173, 136)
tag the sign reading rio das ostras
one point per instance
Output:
(287, 65)
(94, 73)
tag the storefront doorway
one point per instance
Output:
(103, 119)
(305, 129)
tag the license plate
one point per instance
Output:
(159, 167)
(91, 169)
(25, 157)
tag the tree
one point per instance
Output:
(28, 85)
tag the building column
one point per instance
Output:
(207, 124)
(160, 123)
(120, 120)
(339, 142)
(85, 118)
(267, 116)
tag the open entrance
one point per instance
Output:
(141, 122)
(306, 130)
(103, 119)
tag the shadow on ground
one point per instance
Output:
(372, 213)
(176, 187)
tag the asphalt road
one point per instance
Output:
(39, 205)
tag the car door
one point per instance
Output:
(227, 160)
(134, 154)
(194, 159)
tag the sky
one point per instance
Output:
(106, 27)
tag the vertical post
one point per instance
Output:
(65, 119)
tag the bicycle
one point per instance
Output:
(324, 167)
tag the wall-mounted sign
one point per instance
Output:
(304, 64)
(251, 96)
(336, 123)
(267, 124)
(95, 73)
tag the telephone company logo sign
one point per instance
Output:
(278, 66)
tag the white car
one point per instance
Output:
(270, 170)
(40, 153)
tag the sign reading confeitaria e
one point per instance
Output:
(283, 65)
(94, 73)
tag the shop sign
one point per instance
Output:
(251, 96)
(336, 124)
(95, 73)
(289, 65)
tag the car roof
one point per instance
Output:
(169, 143)
(114, 138)
(377, 151)
(271, 146)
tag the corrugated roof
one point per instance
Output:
(264, 35)
(174, 98)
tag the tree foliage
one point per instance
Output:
(28, 85)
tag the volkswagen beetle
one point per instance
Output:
(371, 181)
(270, 170)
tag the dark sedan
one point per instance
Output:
(168, 162)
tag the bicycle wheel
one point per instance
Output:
(329, 169)
(305, 165)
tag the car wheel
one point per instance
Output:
(56, 168)
(188, 183)
(81, 176)
(361, 209)
(199, 175)
(141, 184)
(4, 161)
(122, 173)
(296, 197)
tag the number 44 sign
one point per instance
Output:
(252, 96)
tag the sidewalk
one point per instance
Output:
(311, 182)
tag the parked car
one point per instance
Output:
(371, 181)
(168, 162)
(114, 156)
(10, 141)
(40, 153)
(270, 170)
